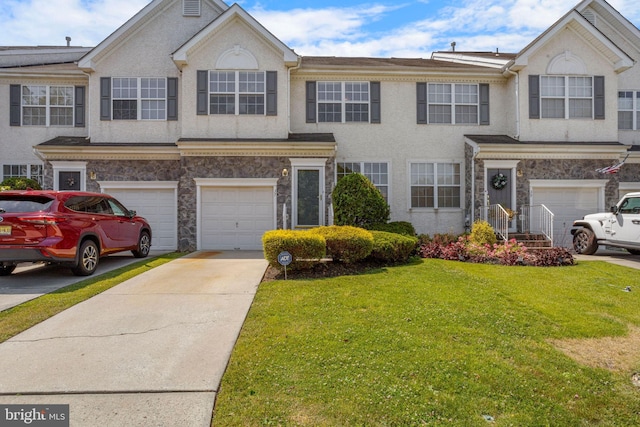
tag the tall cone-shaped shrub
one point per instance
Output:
(357, 202)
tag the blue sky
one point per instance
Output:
(380, 28)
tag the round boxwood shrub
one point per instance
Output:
(345, 243)
(398, 227)
(392, 247)
(357, 202)
(482, 233)
(306, 248)
(19, 183)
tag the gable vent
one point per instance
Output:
(589, 16)
(191, 7)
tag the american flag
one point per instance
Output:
(612, 169)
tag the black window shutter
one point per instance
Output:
(202, 93)
(534, 96)
(311, 102)
(484, 103)
(14, 104)
(79, 106)
(272, 93)
(421, 102)
(375, 102)
(105, 98)
(598, 98)
(172, 98)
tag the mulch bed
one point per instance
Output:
(322, 270)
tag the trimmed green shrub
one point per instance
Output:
(392, 247)
(482, 233)
(19, 183)
(306, 248)
(399, 227)
(345, 243)
(357, 202)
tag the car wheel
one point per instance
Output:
(634, 251)
(144, 245)
(584, 242)
(6, 270)
(87, 260)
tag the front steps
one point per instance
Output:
(531, 241)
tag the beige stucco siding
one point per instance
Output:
(399, 141)
(570, 129)
(18, 141)
(204, 57)
(146, 52)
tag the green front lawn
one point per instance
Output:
(436, 343)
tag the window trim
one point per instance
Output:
(28, 169)
(634, 110)
(237, 93)
(567, 97)
(343, 102)
(362, 167)
(435, 206)
(140, 100)
(453, 103)
(47, 106)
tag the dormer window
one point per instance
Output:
(191, 7)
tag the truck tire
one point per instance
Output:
(584, 242)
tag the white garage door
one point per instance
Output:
(233, 218)
(567, 205)
(158, 207)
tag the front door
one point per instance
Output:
(308, 196)
(500, 186)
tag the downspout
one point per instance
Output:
(517, 76)
(289, 93)
(476, 151)
(87, 106)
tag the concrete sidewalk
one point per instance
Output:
(150, 351)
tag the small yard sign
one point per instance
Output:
(284, 259)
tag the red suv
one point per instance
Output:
(67, 227)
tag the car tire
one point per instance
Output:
(6, 270)
(634, 251)
(88, 258)
(144, 245)
(584, 242)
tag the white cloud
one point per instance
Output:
(48, 22)
(340, 31)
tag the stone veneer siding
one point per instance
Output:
(551, 169)
(233, 167)
(186, 169)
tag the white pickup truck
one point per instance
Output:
(618, 228)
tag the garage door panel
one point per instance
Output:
(235, 217)
(158, 207)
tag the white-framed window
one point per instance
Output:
(452, 103)
(237, 92)
(342, 102)
(139, 98)
(435, 185)
(44, 105)
(629, 110)
(376, 172)
(566, 97)
(33, 171)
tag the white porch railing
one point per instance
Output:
(499, 219)
(536, 219)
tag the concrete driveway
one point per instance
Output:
(614, 256)
(31, 280)
(148, 352)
